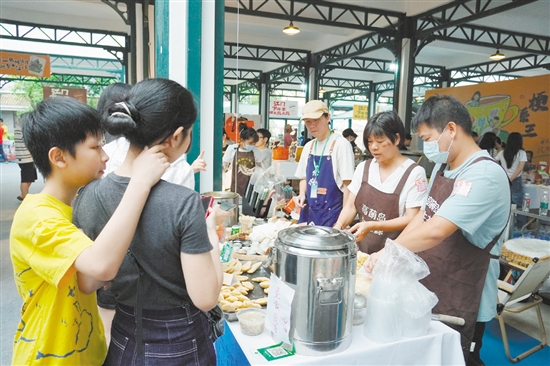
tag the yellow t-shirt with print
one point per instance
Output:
(59, 324)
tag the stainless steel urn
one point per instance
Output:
(319, 264)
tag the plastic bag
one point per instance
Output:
(398, 305)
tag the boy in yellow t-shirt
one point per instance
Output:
(58, 268)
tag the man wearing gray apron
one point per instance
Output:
(385, 205)
(458, 232)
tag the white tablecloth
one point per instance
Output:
(535, 192)
(441, 346)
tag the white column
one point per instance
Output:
(208, 94)
(178, 41)
(404, 76)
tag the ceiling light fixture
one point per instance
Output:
(497, 56)
(322, 92)
(291, 30)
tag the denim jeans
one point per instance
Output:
(170, 337)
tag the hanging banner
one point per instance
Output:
(24, 64)
(79, 94)
(360, 112)
(280, 108)
(519, 105)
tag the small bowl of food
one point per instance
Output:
(252, 321)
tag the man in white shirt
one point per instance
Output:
(327, 170)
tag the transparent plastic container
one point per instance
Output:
(252, 321)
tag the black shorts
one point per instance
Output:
(28, 172)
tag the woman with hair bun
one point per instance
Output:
(161, 298)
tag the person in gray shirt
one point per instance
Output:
(172, 273)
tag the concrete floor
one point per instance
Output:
(10, 301)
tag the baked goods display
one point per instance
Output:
(246, 286)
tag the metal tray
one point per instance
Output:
(256, 293)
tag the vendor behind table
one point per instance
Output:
(386, 191)
(325, 168)
(466, 211)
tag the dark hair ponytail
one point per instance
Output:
(153, 110)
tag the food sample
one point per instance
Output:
(252, 321)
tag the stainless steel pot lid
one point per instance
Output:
(315, 237)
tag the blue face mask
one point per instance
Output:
(431, 150)
(248, 147)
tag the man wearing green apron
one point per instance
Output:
(459, 230)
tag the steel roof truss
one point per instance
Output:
(461, 12)
(330, 14)
(266, 54)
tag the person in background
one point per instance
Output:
(226, 141)
(350, 135)
(513, 159)
(179, 172)
(289, 136)
(327, 170)
(406, 143)
(57, 267)
(529, 165)
(408, 140)
(465, 214)
(263, 145)
(160, 298)
(2, 130)
(112, 94)
(499, 144)
(475, 136)
(488, 142)
(386, 191)
(241, 159)
(302, 139)
(24, 159)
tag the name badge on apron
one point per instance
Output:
(314, 186)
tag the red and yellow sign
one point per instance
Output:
(519, 105)
(24, 64)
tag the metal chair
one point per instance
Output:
(522, 296)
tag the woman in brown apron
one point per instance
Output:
(386, 191)
(242, 160)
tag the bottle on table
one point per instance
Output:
(526, 202)
(543, 210)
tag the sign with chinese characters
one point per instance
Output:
(360, 112)
(281, 108)
(12, 63)
(279, 302)
(519, 105)
(76, 93)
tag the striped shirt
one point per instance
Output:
(21, 153)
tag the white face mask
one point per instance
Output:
(431, 150)
(249, 147)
